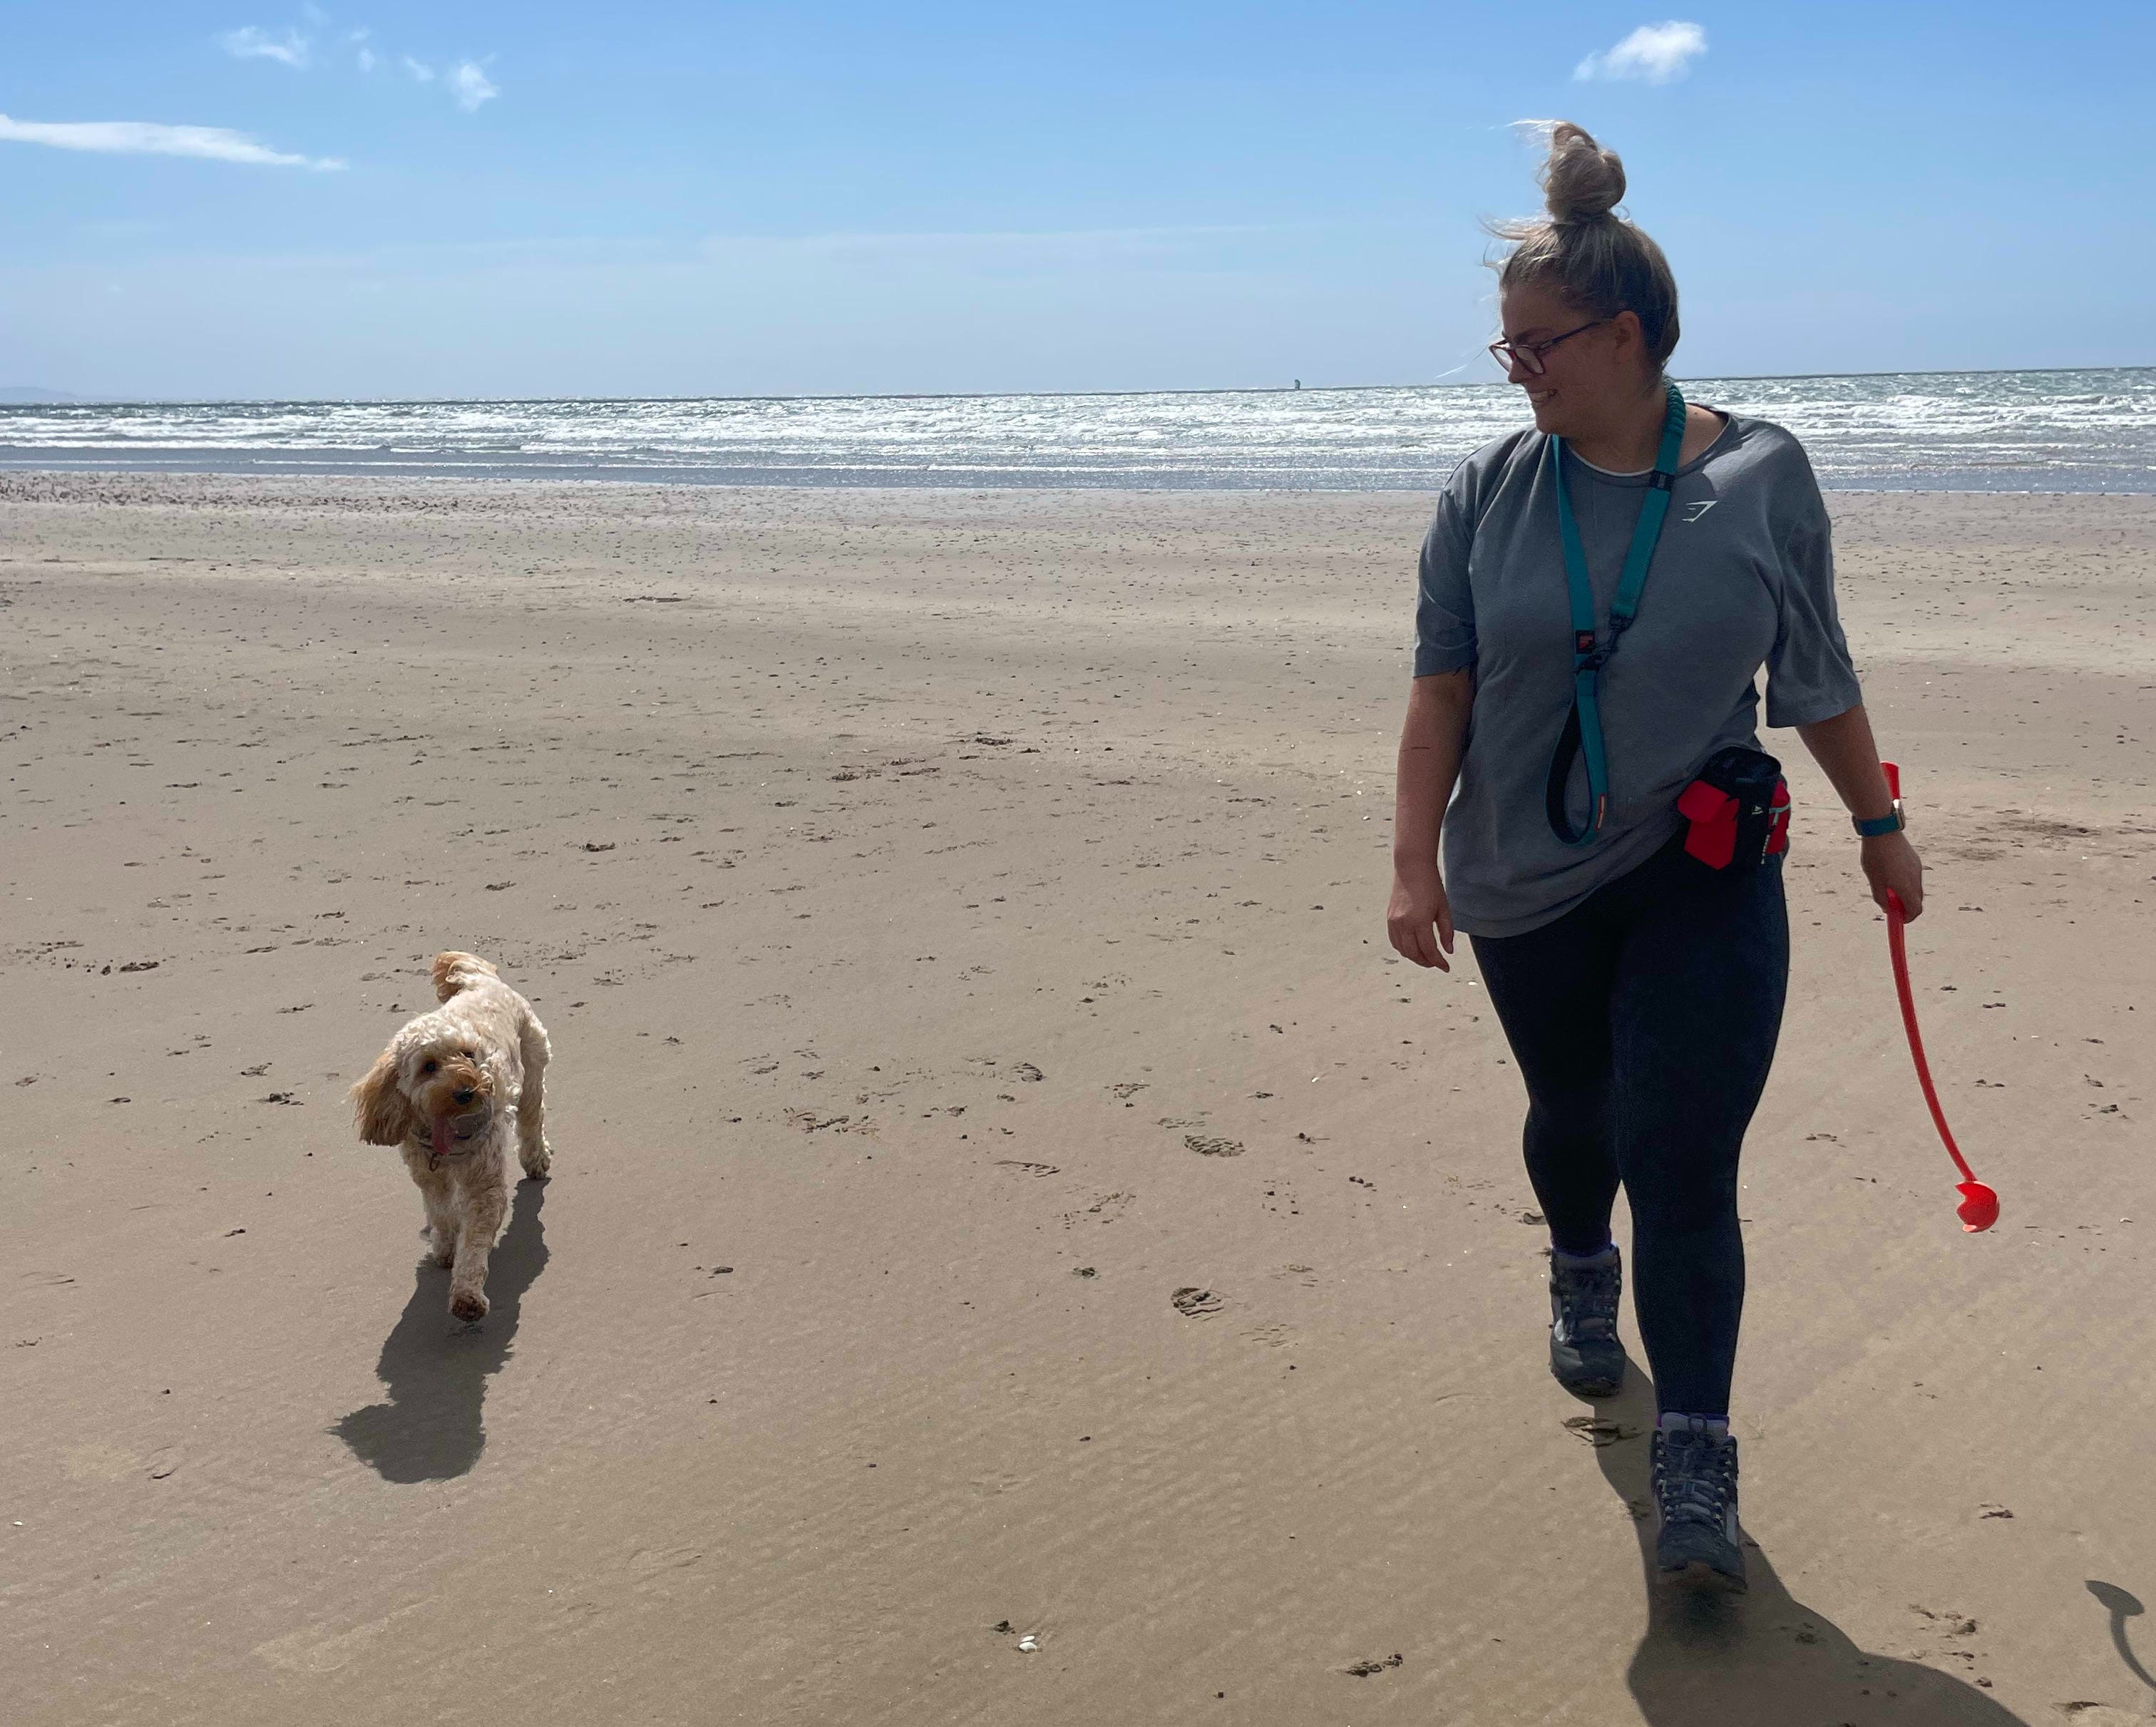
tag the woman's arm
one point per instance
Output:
(1431, 742)
(1843, 747)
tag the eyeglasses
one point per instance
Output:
(1527, 355)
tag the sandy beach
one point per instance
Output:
(1006, 1187)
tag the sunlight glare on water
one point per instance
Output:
(2039, 431)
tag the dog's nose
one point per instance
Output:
(466, 1095)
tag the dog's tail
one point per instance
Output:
(454, 972)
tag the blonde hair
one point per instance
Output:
(1598, 261)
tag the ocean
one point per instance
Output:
(1988, 431)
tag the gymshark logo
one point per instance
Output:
(1694, 512)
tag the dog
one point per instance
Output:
(455, 1087)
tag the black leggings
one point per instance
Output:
(1644, 1021)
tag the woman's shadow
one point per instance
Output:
(436, 1368)
(1762, 1658)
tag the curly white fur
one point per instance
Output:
(451, 1092)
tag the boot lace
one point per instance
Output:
(1587, 1299)
(1695, 1477)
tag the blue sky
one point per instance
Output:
(749, 199)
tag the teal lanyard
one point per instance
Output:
(1583, 729)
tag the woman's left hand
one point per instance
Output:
(1890, 865)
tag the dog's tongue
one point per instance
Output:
(444, 1141)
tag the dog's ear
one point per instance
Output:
(447, 966)
(384, 1117)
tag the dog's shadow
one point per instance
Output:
(436, 1368)
(1763, 1659)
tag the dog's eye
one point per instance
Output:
(430, 1065)
(468, 1054)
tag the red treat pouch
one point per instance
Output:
(1712, 813)
(1738, 810)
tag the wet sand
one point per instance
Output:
(1005, 1186)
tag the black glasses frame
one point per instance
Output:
(1527, 355)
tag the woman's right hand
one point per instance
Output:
(1419, 918)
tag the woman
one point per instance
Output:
(1641, 987)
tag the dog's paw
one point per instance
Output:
(539, 1167)
(467, 1304)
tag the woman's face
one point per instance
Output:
(1583, 378)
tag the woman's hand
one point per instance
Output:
(1431, 742)
(1419, 918)
(1845, 748)
(1890, 865)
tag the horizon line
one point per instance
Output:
(1289, 389)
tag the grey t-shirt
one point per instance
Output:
(1742, 576)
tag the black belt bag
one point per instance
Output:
(1738, 809)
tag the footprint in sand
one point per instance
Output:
(1195, 1303)
(1106, 1208)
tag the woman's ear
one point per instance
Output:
(384, 1116)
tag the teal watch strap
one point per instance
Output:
(1879, 825)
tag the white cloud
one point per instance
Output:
(249, 43)
(1657, 53)
(315, 15)
(143, 138)
(472, 86)
(467, 80)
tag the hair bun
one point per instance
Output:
(1581, 181)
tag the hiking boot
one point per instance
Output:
(1693, 1466)
(1585, 1354)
